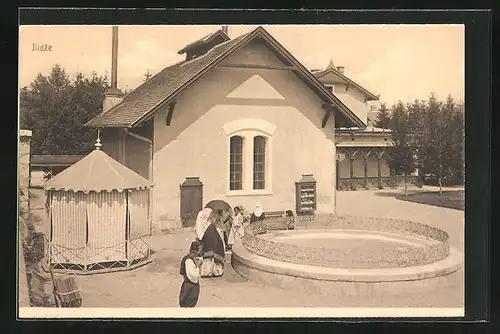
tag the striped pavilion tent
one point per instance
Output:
(99, 213)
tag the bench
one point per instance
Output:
(281, 219)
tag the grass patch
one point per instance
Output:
(448, 199)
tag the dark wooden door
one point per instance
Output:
(191, 200)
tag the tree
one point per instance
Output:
(418, 130)
(430, 136)
(56, 108)
(383, 117)
(458, 165)
(401, 155)
(442, 144)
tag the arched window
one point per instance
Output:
(236, 163)
(259, 163)
(250, 156)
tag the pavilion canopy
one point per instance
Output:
(97, 172)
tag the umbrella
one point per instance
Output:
(218, 204)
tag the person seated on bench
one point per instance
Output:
(289, 219)
(258, 214)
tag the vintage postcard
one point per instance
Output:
(241, 171)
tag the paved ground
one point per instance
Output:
(157, 284)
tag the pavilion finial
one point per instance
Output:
(98, 144)
(330, 65)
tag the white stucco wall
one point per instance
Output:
(196, 143)
(354, 99)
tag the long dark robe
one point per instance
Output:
(213, 245)
(254, 218)
(188, 296)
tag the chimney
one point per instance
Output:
(340, 69)
(225, 29)
(112, 95)
(114, 57)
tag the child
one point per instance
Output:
(237, 229)
(190, 289)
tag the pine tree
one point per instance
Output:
(453, 138)
(418, 131)
(459, 140)
(402, 156)
(443, 140)
(383, 117)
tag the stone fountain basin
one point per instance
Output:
(361, 241)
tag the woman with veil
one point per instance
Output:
(212, 243)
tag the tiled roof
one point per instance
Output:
(369, 94)
(55, 160)
(141, 102)
(149, 94)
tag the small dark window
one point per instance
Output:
(236, 163)
(259, 163)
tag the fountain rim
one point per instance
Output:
(415, 257)
(448, 265)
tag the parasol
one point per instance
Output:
(218, 204)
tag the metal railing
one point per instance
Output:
(374, 182)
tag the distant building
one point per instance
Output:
(372, 114)
(42, 166)
(361, 151)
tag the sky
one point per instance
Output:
(398, 62)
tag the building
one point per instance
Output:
(361, 159)
(241, 114)
(44, 165)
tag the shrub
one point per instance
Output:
(392, 182)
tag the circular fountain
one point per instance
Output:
(349, 255)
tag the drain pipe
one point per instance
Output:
(151, 178)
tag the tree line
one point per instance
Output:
(427, 136)
(55, 107)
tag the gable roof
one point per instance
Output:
(159, 87)
(333, 70)
(140, 104)
(97, 172)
